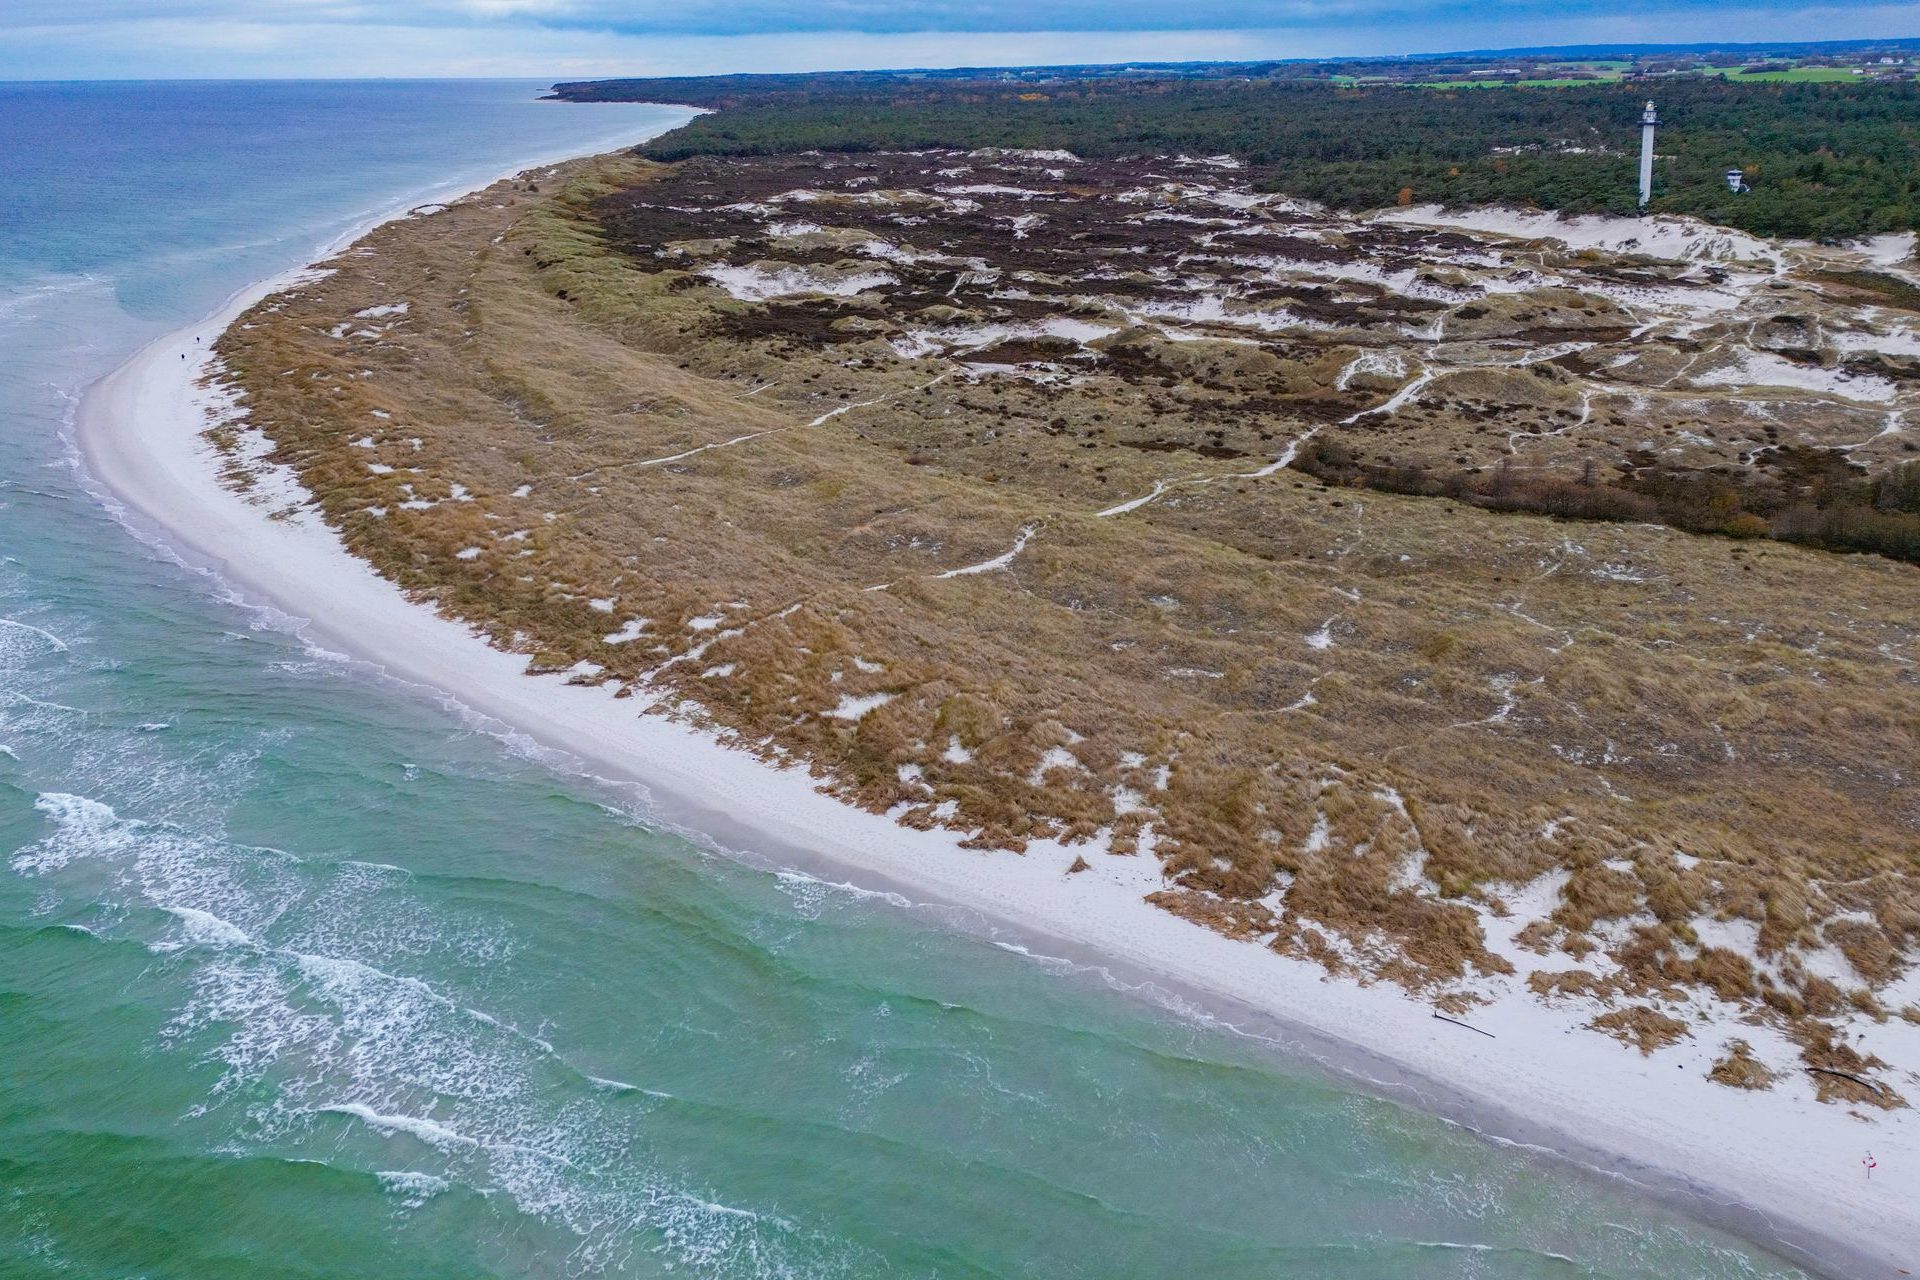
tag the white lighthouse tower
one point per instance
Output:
(1649, 119)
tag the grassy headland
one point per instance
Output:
(961, 478)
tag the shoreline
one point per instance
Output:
(1741, 1162)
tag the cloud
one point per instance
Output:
(748, 17)
(562, 38)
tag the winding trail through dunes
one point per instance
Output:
(1161, 487)
(1399, 398)
(831, 414)
(1896, 423)
(721, 444)
(1000, 561)
(1285, 460)
(822, 420)
(1134, 504)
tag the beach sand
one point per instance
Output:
(1776, 1167)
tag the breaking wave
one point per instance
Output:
(332, 1045)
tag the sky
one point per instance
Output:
(138, 39)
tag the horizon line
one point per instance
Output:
(1590, 48)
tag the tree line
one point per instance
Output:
(1822, 161)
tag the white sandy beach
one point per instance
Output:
(1777, 1166)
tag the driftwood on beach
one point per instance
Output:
(1469, 1026)
(1847, 1075)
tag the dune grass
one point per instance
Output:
(1351, 726)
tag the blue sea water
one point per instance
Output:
(303, 975)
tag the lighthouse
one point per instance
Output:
(1649, 119)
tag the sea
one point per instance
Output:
(305, 973)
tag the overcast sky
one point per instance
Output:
(59, 39)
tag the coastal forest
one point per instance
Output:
(1824, 161)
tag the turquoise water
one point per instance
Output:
(302, 975)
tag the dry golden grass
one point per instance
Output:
(1641, 1026)
(1351, 726)
(1739, 1069)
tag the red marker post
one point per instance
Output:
(1870, 1163)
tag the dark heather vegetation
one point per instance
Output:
(1814, 497)
(1822, 160)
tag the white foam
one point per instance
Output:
(427, 1131)
(203, 928)
(82, 828)
(413, 1188)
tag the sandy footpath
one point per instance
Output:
(1777, 1166)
